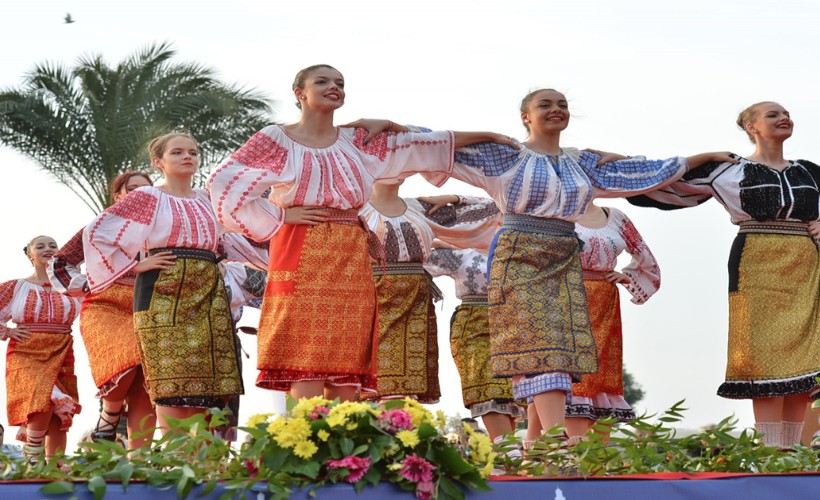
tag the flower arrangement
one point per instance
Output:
(363, 443)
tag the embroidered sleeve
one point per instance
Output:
(6, 296)
(238, 248)
(443, 262)
(239, 184)
(64, 268)
(694, 188)
(475, 163)
(632, 176)
(643, 269)
(392, 155)
(113, 240)
(469, 224)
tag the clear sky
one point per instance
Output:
(642, 77)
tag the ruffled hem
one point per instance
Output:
(753, 389)
(64, 407)
(280, 380)
(108, 387)
(494, 406)
(604, 405)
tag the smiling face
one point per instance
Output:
(179, 157)
(322, 88)
(769, 122)
(41, 249)
(545, 112)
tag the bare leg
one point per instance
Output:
(178, 413)
(577, 426)
(343, 392)
(768, 409)
(551, 407)
(794, 407)
(307, 389)
(141, 416)
(36, 429)
(811, 425)
(55, 439)
(497, 424)
(533, 424)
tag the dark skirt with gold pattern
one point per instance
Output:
(470, 345)
(408, 345)
(774, 316)
(539, 322)
(185, 331)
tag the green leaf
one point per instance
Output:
(97, 486)
(188, 472)
(57, 488)
(209, 488)
(346, 445)
(448, 490)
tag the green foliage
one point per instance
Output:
(88, 123)
(649, 444)
(633, 392)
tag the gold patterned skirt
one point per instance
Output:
(107, 327)
(185, 332)
(40, 375)
(318, 319)
(774, 315)
(408, 344)
(470, 345)
(539, 322)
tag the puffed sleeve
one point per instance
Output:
(643, 270)
(631, 176)
(238, 186)
(6, 296)
(64, 268)
(113, 240)
(396, 155)
(479, 163)
(472, 223)
(443, 262)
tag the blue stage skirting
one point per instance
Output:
(750, 487)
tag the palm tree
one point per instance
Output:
(86, 124)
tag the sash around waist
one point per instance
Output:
(398, 268)
(595, 275)
(46, 327)
(474, 300)
(541, 225)
(775, 227)
(187, 253)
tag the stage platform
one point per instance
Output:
(667, 486)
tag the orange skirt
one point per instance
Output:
(605, 318)
(107, 327)
(34, 369)
(318, 319)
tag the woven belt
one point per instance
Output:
(47, 327)
(187, 253)
(539, 225)
(474, 300)
(775, 227)
(595, 275)
(393, 268)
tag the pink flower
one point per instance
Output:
(417, 469)
(396, 420)
(357, 467)
(425, 490)
(323, 409)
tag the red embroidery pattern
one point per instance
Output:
(378, 146)
(194, 218)
(262, 152)
(6, 294)
(177, 236)
(138, 206)
(30, 308)
(324, 181)
(354, 167)
(304, 179)
(339, 182)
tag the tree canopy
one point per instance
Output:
(88, 123)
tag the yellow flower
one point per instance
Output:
(418, 413)
(480, 444)
(259, 418)
(395, 466)
(276, 426)
(336, 419)
(322, 434)
(294, 431)
(488, 468)
(305, 449)
(351, 426)
(408, 439)
(307, 405)
(391, 450)
(441, 420)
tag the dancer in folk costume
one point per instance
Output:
(606, 233)
(107, 327)
(539, 322)
(318, 328)
(181, 312)
(408, 341)
(41, 388)
(485, 396)
(774, 270)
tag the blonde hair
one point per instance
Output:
(747, 116)
(156, 148)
